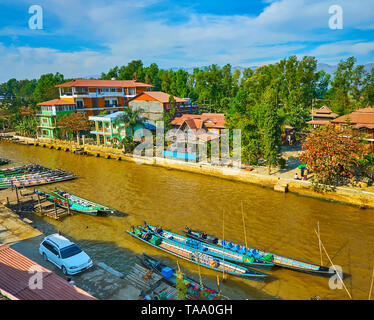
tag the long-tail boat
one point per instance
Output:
(76, 203)
(277, 260)
(32, 180)
(195, 289)
(189, 254)
(32, 175)
(229, 255)
(4, 161)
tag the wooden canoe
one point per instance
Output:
(194, 289)
(229, 255)
(75, 203)
(278, 260)
(194, 256)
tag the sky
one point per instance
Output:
(82, 38)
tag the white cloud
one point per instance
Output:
(133, 30)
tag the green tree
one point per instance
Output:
(45, 88)
(131, 118)
(272, 129)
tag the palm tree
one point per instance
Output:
(131, 119)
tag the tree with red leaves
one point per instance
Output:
(332, 155)
(73, 123)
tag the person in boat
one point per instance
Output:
(189, 230)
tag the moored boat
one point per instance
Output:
(277, 260)
(32, 180)
(4, 161)
(241, 257)
(78, 204)
(192, 255)
(194, 288)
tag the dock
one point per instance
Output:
(150, 283)
(22, 200)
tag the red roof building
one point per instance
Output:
(155, 103)
(16, 271)
(321, 117)
(93, 96)
(362, 120)
(209, 124)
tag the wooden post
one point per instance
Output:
(337, 273)
(17, 199)
(245, 233)
(67, 200)
(39, 203)
(55, 210)
(84, 140)
(371, 286)
(223, 244)
(319, 242)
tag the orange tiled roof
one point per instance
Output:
(103, 83)
(161, 96)
(319, 122)
(55, 102)
(14, 279)
(361, 116)
(323, 109)
(209, 120)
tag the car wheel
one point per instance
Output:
(45, 257)
(64, 271)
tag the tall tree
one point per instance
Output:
(45, 88)
(272, 128)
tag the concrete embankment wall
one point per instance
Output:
(357, 197)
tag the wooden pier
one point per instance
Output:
(150, 283)
(24, 200)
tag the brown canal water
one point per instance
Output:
(281, 223)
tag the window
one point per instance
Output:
(45, 120)
(50, 247)
(80, 103)
(80, 90)
(131, 91)
(70, 251)
(109, 90)
(111, 103)
(45, 133)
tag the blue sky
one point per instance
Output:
(85, 37)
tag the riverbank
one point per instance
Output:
(280, 180)
(23, 235)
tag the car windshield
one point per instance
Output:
(70, 251)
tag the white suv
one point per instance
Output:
(65, 254)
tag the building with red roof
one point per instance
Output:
(154, 104)
(16, 271)
(93, 96)
(206, 126)
(321, 117)
(361, 120)
(89, 96)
